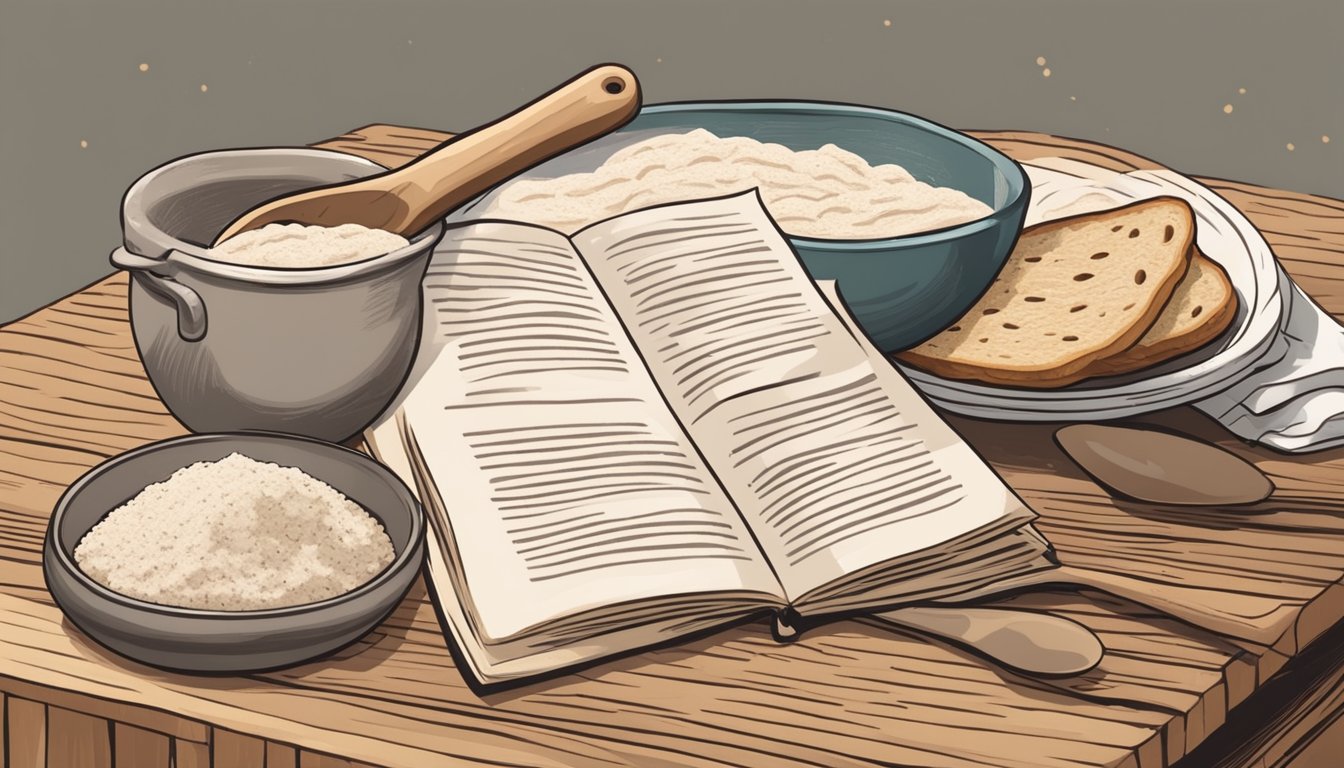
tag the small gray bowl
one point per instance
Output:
(195, 640)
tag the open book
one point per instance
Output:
(661, 425)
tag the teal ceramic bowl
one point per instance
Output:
(903, 289)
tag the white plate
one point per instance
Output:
(1062, 187)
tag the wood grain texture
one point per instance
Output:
(77, 739)
(26, 732)
(1323, 752)
(156, 720)
(140, 748)
(190, 754)
(1295, 720)
(281, 756)
(229, 749)
(318, 760)
(73, 393)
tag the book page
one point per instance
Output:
(498, 662)
(834, 458)
(569, 484)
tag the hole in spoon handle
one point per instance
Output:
(617, 88)
(588, 106)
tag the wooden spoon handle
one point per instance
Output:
(1034, 643)
(591, 105)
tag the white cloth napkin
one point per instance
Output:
(1291, 397)
(1293, 400)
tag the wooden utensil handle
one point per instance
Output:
(591, 105)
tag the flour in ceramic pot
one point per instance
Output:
(235, 535)
(825, 193)
(302, 245)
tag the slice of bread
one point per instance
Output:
(1201, 308)
(1072, 292)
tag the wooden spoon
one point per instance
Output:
(1033, 643)
(407, 200)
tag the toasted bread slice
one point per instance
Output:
(1201, 308)
(1072, 292)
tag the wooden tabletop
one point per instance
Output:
(73, 393)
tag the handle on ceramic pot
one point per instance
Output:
(190, 308)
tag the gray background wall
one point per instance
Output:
(1152, 76)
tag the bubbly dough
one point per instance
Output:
(826, 193)
(303, 245)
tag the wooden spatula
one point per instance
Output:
(407, 200)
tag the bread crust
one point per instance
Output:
(1074, 368)
(1143, 355)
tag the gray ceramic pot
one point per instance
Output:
(314, 352)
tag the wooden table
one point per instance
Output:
(73, 393)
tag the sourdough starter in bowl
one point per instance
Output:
(827, 193)
(306, 246)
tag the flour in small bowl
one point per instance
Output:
(306, 246)
(235, 535)
(826, 193)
